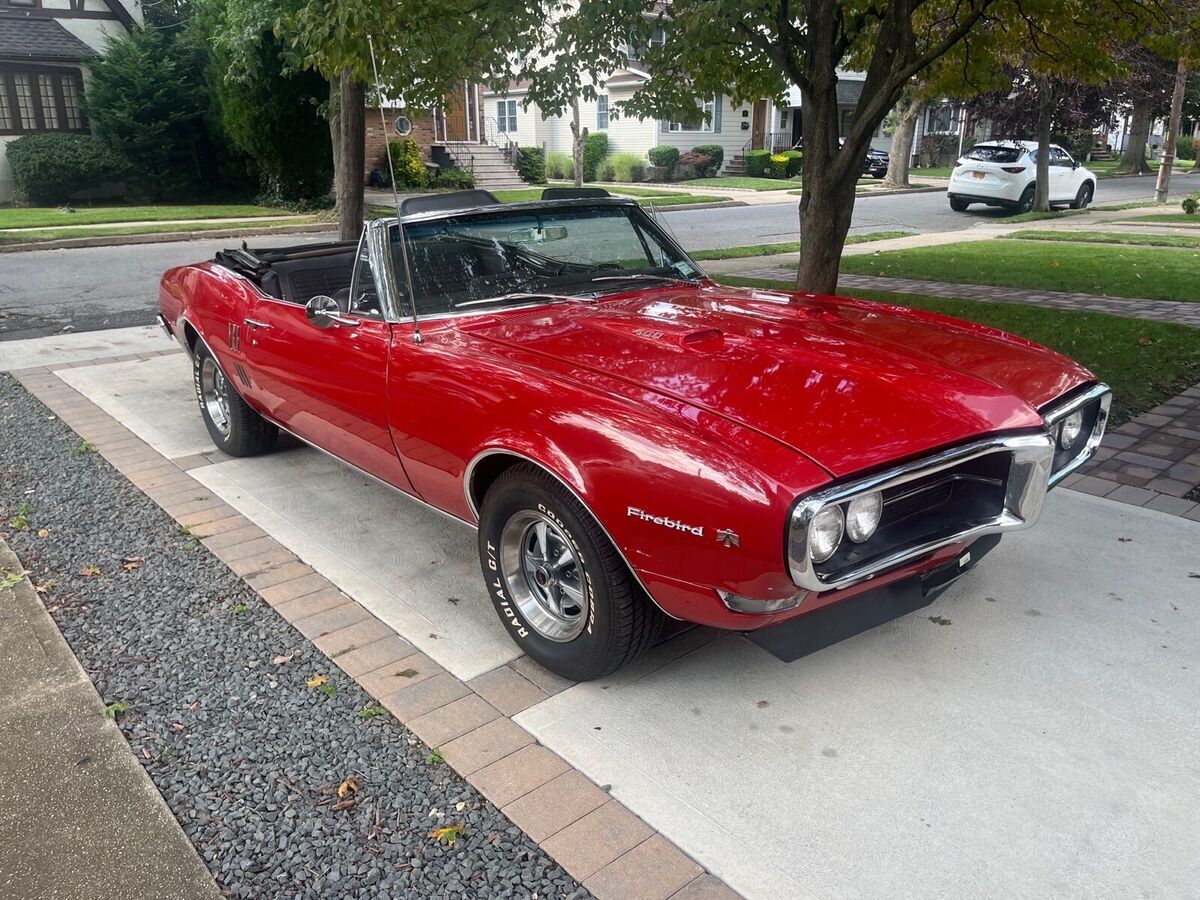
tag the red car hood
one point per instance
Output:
(850, 384)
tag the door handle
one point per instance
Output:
(254, 323)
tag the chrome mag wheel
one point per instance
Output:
(214, 393)
(544, 576)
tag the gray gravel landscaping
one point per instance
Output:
(211, 688)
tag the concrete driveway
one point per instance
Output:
(1033, 733)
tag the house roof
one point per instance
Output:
(29, 38)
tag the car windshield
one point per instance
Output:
(510, 257)
(994, 154)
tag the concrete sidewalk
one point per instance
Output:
(79, 816)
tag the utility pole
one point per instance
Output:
(1168, 157)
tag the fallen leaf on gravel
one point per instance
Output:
(763, 704)
(349, 786)
(280, 660)
(145, 753)
(129, 563)
(90, 571)
(316, 681)
(343, 804)
(43, 586)
(178, 726)
(43, 533)
(192, 706)
(447, 834)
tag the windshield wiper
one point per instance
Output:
(523, 295)
(642, 276)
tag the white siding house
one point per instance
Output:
(45, 46)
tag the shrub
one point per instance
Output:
(1185, 147)
(49, 168)
(275, 119)
(560, 166)
(146, 102)
(406, 160)
(664, 157)
(531, 164)
(594, 151)
(1190, 206)
(627, 167)
(459, 179)
(716, 155)
(756, 163)
(795, 162)
(693, 165)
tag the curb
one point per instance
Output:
(117, 240)
(921, 190)
(683, 207)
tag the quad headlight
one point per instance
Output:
(863, 515)
(825, 533)
(1069, 431)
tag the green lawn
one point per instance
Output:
(54, 234)
(1179, 218)
(932, 172)
(1116, 271)
(744, 182)
(1143, 362)
(789, 246)
(38, 217)
(1108, 237)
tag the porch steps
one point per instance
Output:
(735, 166)
(492, 170)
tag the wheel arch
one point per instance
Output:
(489, 464)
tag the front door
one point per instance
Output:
(759, 126)
(325, 380)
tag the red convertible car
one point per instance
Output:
(632, 440)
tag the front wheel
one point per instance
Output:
(560, 587)
(233, 426)
(1083, 197)
(958, 204)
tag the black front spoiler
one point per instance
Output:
(832, 624)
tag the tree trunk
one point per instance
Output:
(353, 135)
(830, 172)
(902, 141)
(333, 113)
(1168, 158)
(1133, 160)
(578, 143)
(1041, 194)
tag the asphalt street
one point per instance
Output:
(45, 292)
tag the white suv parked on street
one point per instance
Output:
(1002, 173)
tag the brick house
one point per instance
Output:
(45, 47)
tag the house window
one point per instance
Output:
(506, 115)
(40, 99)
(940, 119)
(602, 112)
(701, 121)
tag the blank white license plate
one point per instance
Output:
(979, 176)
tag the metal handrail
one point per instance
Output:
(491, 130)
(770, 140)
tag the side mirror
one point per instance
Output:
(323, 312)
(1075, 164)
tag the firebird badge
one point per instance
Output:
(728, 537)
(665, 521)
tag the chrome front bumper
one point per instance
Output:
(1031, 473)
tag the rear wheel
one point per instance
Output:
(561, 589)
(1083, 197)
(1025, 204)
(958, 204)
(233, 426)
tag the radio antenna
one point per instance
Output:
(412, 297)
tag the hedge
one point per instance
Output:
(756, 163)
(664, 157)
(715, 154)
(531, 164)
(49, 168)
(594, 151)
(406, 160)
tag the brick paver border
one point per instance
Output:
(596, 839)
